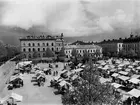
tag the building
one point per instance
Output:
(132, 43)
(111, 46)
(32, 43)
(80, 47)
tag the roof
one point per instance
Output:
(134, 92)
(116, 85)
(81, 43)
(124, 78)
(111, 41)
(123, 72)
(41, 37)
(115, 75)
(134, 80)
(82, 47)
(135, 76)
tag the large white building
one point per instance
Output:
(31, 44)
(81, 47)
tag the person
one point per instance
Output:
(56, 73)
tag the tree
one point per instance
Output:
(3, 50)
(132, 54)
(90, 91)
(74, 52)
(49, 53)
(35, 54)
(85, 56)
(62, 52)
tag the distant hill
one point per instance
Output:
(11, 35)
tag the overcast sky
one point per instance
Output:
(72, 17)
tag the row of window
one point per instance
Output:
(82, 51)
(33, 49)
(38, 44)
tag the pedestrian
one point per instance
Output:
(56, 73)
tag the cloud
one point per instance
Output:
(73, 17)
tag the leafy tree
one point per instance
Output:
(86, 56)
(62, 52)
(3, 51)
(90, 91)
(132, 54)
(108, 54)
(74, 52)
(49, 53)
(35, 54)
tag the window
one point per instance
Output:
(43, 44)
(29, 56)
(47, 44)
(33, 49)
(39, 55)
(29, 44)
(38, 49)
(52, 44)
(66, 52)
(38, 44)
(52, 49)
(23, 44)
(33, 44)
(57, 49)
(29, 50)
(43, 54)
(43, 49)
(24, 50)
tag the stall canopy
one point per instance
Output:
(135, 76)
(115, 75)
(134, 92)
(3, 100)
(16, 96)
(134, 80)
(123, 72)
(124, 78)
(138, 68)
(78, 70)
(116, 85)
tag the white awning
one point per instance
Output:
(138, 68)
(134, 80)
(3, 100)
(16, 96)
(115, 75)
(78, 70)
(135, 76)
(124, 78)
(116, 85)
(123, 72)
(134, 92)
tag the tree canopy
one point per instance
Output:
(49, 53)
(74, 52)
(62, 52)
(90, 91)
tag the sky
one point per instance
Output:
(72, 17)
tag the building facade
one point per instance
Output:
(81, 47)
(112, 46)
(132, 43)
(31, 44)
